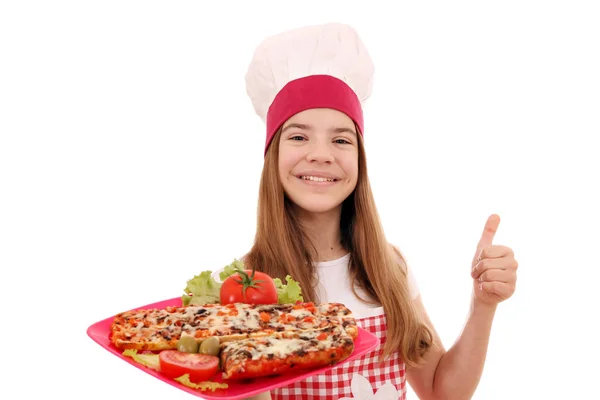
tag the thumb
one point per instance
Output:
(489, 231)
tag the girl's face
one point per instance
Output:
(318, 159)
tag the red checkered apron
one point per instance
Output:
(337, 382)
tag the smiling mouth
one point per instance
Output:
(317, 178)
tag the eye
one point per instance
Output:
(296, 137)
(342, 141)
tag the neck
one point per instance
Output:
(323, 229)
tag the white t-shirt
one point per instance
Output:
(334, 286)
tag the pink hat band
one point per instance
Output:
(314, 91)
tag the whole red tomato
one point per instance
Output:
(251, 287)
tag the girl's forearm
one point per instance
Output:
(262, 396)
(459, 370)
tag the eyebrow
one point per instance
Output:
(308, 127)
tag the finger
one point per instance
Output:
(492, 263)
(494, 251)
(498, 275)
(501, 289)
(489, 231)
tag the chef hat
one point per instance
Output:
(320, 66)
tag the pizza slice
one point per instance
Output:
(161, 328)
(285, 352)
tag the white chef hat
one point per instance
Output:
(319, 66)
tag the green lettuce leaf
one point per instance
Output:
(149, 360)
(208, 385)
(290, 293)
(235, 266)
(203, 289)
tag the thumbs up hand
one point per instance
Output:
(494, 268)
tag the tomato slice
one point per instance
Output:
(200, 367)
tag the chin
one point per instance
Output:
(317, 205)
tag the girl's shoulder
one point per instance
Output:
(334, 284)
(412, 281)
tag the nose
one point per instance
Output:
(320, 152)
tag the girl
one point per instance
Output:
(317, 222)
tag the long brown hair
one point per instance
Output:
(281, 248)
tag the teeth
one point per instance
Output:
(317, 179)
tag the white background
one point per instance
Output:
(130, 158)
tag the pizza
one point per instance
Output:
(248, 326)
(285, 352)
(161, 328)
(253, 340)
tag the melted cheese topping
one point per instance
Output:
(271, 347)
(159, 325)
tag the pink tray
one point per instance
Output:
(99, 332)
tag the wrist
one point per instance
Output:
(480, 307)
